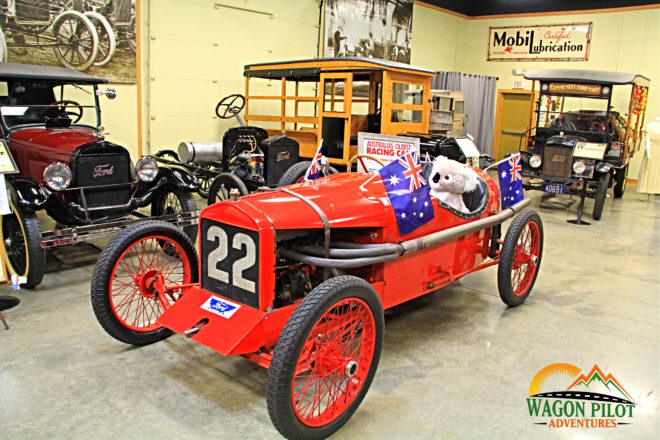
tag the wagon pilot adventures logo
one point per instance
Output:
(562, 396)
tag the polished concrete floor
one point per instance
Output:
(456, 363)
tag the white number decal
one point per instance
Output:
(246, 262)
(218, 254)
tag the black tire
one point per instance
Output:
(296, 172)
(620, 182)
(150, 235)
(511, 293)
(342, 295)
(171, 200)
(221, 186)
(21, 237)
(205, 177)
(600, 195)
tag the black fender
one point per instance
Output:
(27, 193)
(177, 177)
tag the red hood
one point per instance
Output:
(34, 149)
(347, 199)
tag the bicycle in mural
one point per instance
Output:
(81, 33)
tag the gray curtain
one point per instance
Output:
(479, 93)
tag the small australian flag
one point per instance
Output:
(510, 174)
(407, 191)
(314, 171)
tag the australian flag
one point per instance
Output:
(510, 174)
(314, 171)
(407, 191)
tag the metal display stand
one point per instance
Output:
(578, 220)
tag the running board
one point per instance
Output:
(82, 234)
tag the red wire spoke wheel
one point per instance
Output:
(520, 258)
(130, 279)
(325, 359)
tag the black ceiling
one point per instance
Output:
(501, 7)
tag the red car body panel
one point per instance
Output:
(366, 207)
(349, 201)
(34, 149)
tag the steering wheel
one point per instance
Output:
(66, 104)
(353, 159)
(231, 109)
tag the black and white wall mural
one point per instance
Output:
(95, 36)
(368, 28)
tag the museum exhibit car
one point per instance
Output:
(332, 99)
(296, 279)
(246, 159)
(50, 118)
(324, 99)
(578, 138)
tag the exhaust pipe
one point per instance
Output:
(364, 255)
(458, 231)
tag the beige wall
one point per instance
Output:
(193, 54)
(621, 41)
(435, 39)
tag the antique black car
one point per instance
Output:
(579, 138)
(50, 121)
(246, 159)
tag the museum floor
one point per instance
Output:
(456, 363)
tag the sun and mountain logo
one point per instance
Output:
(560, 395)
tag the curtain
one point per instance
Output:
(479, 91)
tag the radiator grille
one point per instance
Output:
(103, 169)
(557, 161)
(219, 274)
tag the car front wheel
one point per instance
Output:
(21, 237)
(138, 276)
(599, 197)
(325, 358)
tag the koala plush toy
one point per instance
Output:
(449, 179)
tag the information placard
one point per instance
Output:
(589, 150)
(384, 147)
(7, 164)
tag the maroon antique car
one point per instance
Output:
(50, 120)
(296, 279)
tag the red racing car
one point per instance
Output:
(296, 279)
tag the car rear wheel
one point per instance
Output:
(171, 200)
(21, 237)
(325, 358)
(131, 279)
(296, 172)
(222, 185)
(520, 258)
(599, 197)
(205, 177)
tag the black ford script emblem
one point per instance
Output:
(103, 170)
